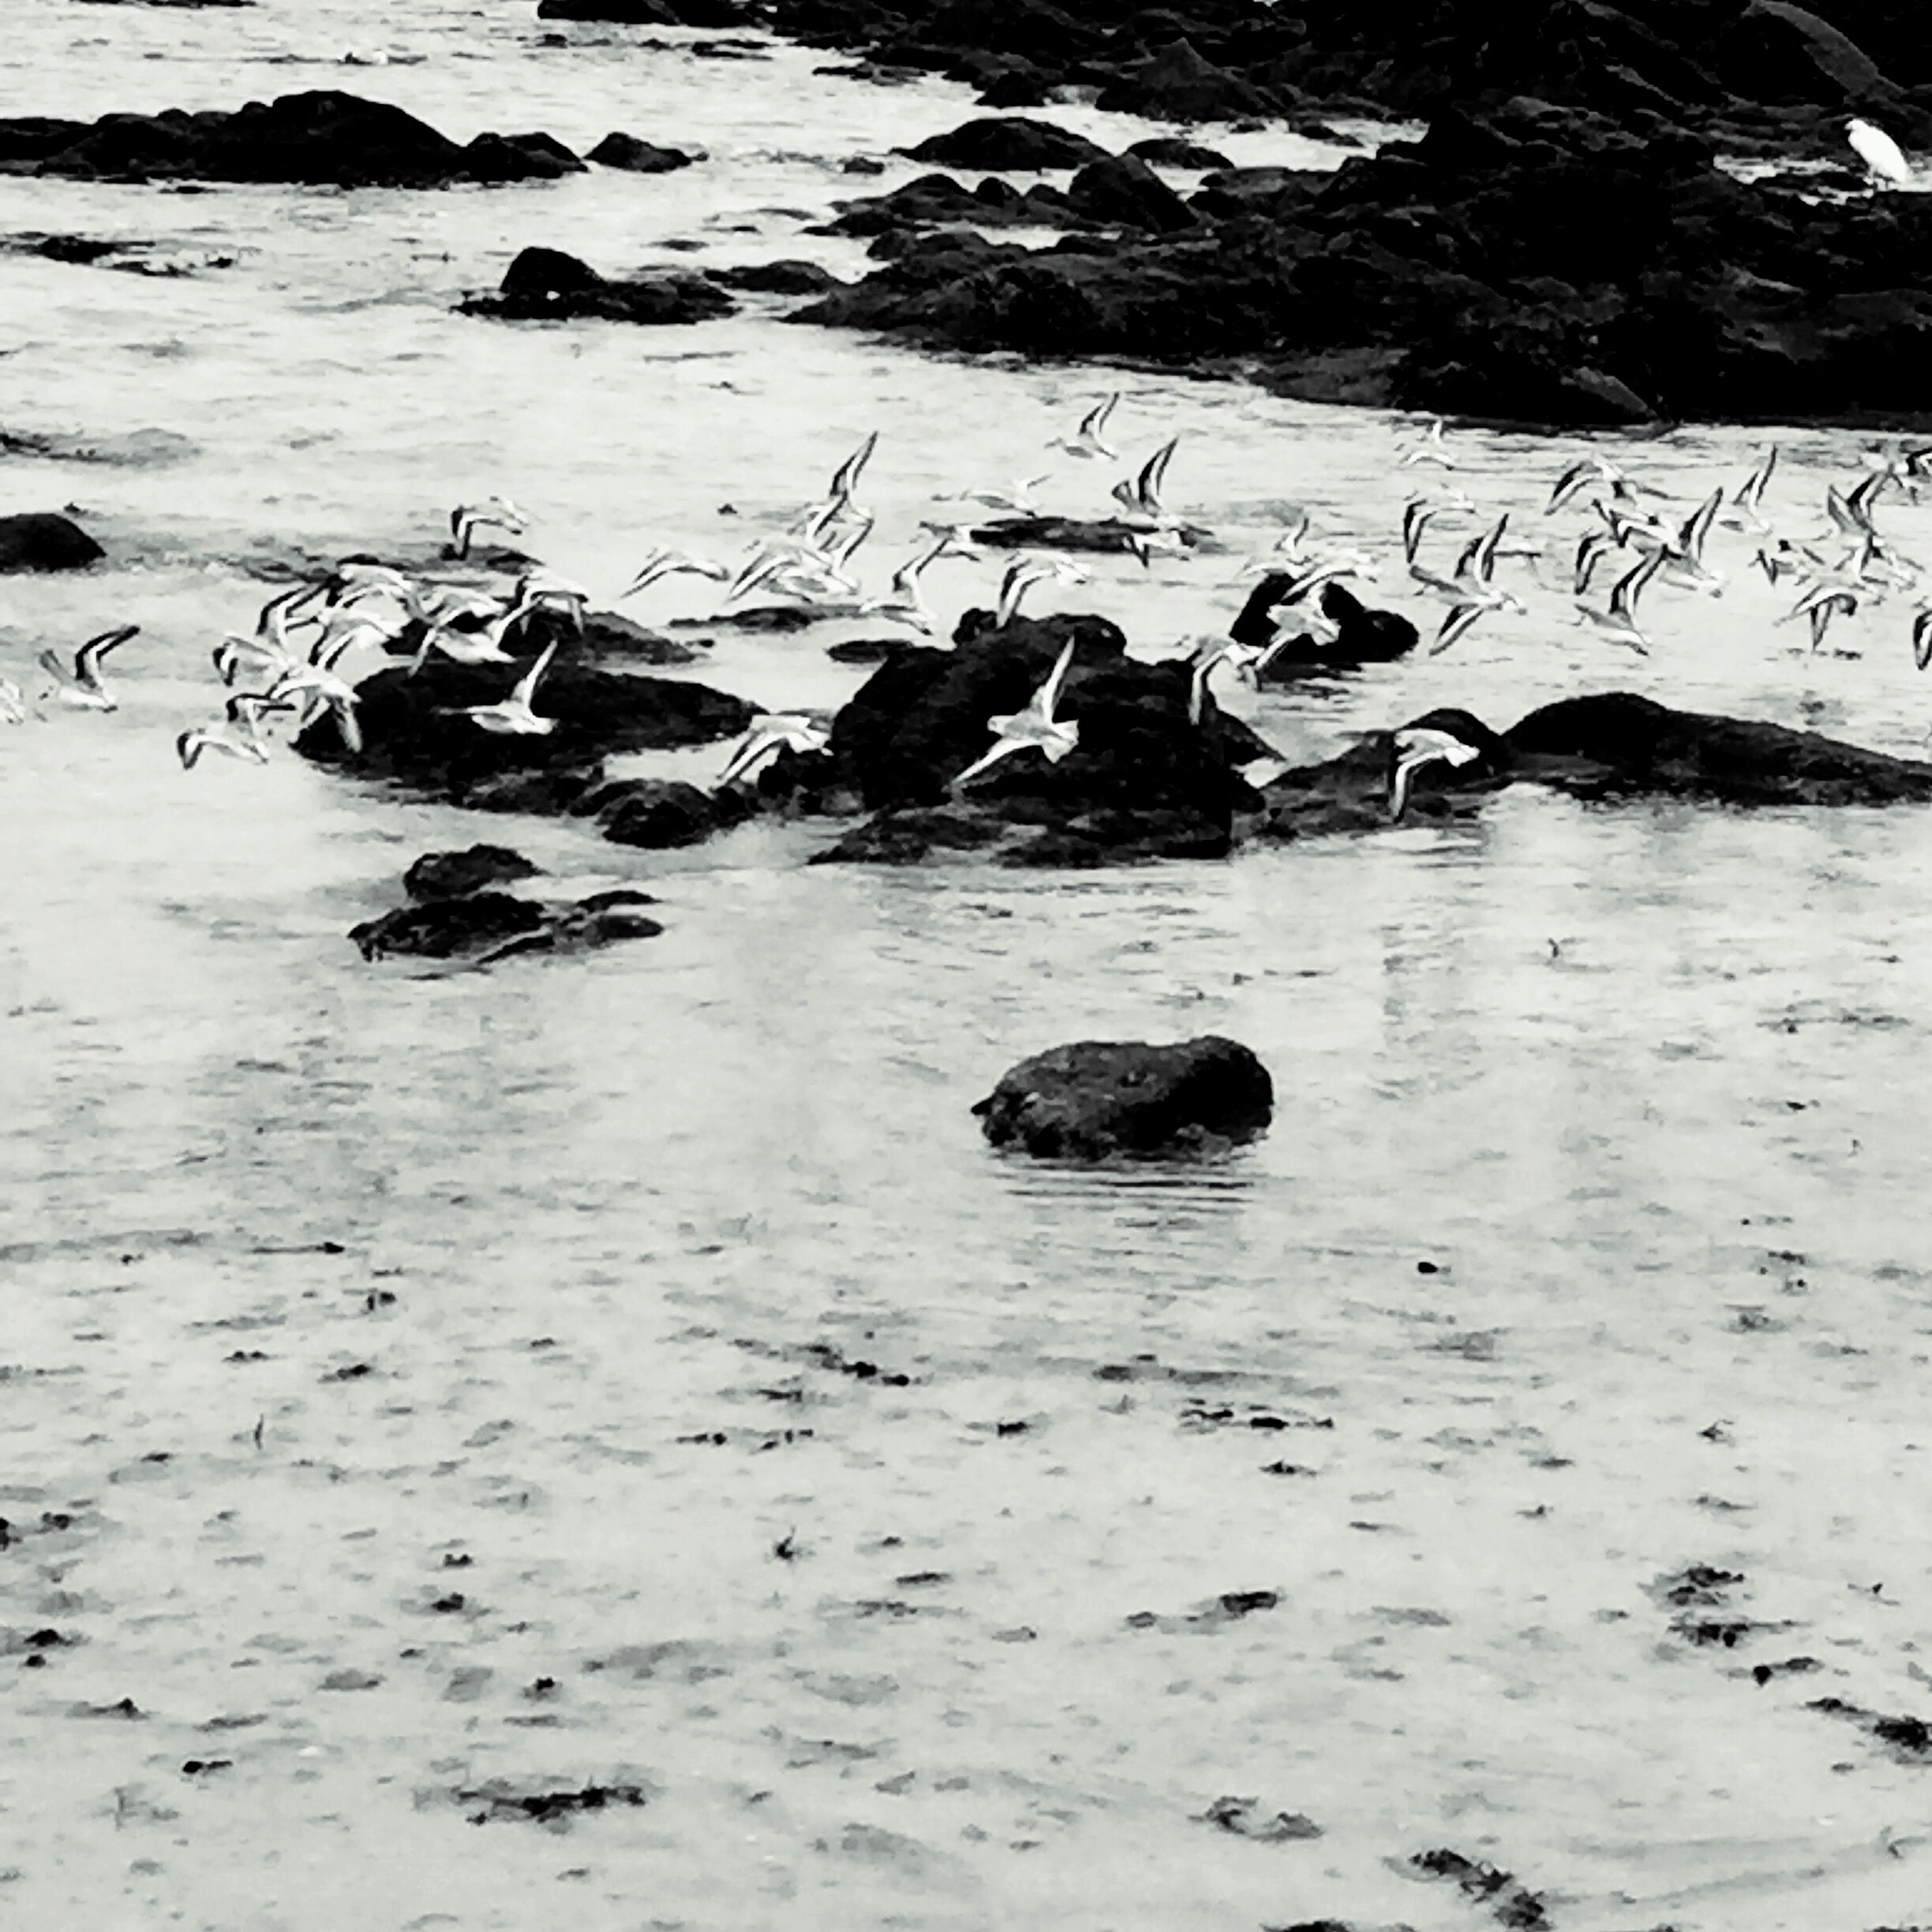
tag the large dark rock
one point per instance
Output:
(1143, 781)
(42, 540)
(1122, 191)
(324, 137)
(1096, 1098)
(1777, 52)
(1008, 142)
(545, 285)
(414, 732)
(1612, 745)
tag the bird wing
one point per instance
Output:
(1922, 638)
(1630, 586)
(845, 478)
(87, 659)
(1458, 620)
(1697, 527)
(526, 691)
(1750, 492)
(1094, 422)
(1416, 515)
(1569, 483)
(1049, 693)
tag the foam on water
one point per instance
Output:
(665, 1227)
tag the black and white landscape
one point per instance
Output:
(965, 966)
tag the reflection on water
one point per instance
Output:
(1587, 1244)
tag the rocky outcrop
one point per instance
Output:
(1529, 264)
(1612, 745)
(43, 539)
(325, 138)
(1143, 781)
(545, 285)
(1097, 1099)
(1734, 65)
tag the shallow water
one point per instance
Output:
(1589, 1244)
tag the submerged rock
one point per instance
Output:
(480, 927)
(638, 157)
(545, 285)
(1095, 1099)
(325, 137)
(43, 539)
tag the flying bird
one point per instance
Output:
(1089, 440)
(83, 686)
(1036, 725)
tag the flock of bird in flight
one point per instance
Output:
(311, 645)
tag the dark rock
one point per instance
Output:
(865, 650)
(1122, 191)
(454, 874)
(1616, 745)
(1010, 142)
(638, 157)
(33, 137)
(661, 813)
(545, 285)
(441, 928)
(1103, 536)
(1096, 1098)
(606, 634)
(1363, 636)
(651, 13)
(413, 731)
(861, 164)
(1524, 262)
(1774, 51)
(487, 927)
(520, 157)
(323, 137)
(785, 277)
(1513, 1905)
(42, 540)
(1176, 84)
(1143, 781)
(1170, 151)
(938, 199)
